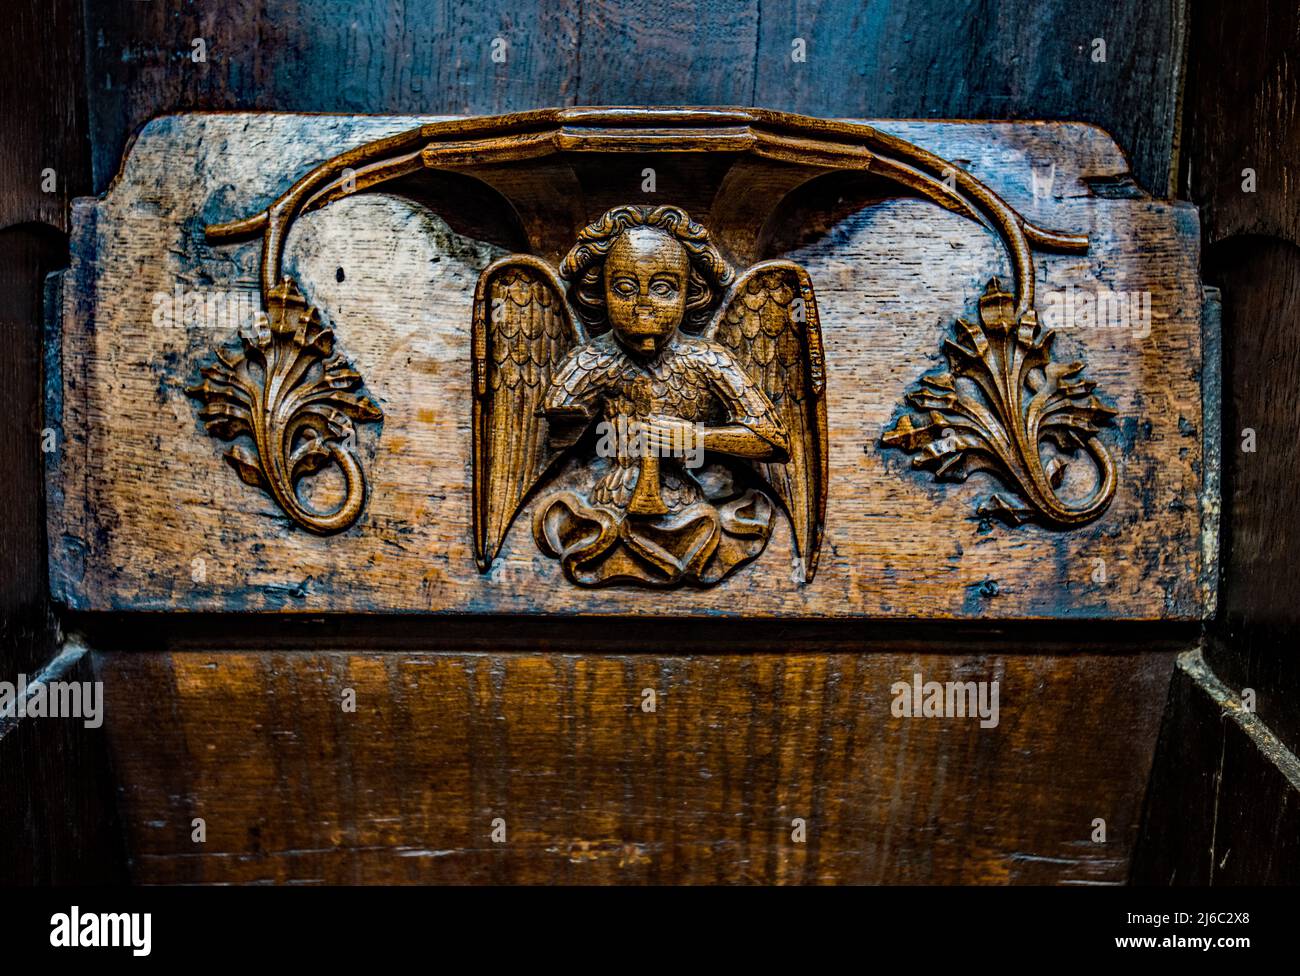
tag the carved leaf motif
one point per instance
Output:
(1025, 398)
(245, 462)
(297, 400)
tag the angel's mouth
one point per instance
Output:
(644, 335)
(645, 343)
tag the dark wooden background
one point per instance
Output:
(1194, 92)
(895, 59)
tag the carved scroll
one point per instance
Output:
(297, 399)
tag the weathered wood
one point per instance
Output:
(1222, 805)
(895, 59)
(44, 156)
(890, 59)
(56, 794)
(1240, 156)
(147, 516)
(1224, 790)
(593, 788)
(27, 633)
(44, 162)
(58, 808)
(1244, 114)
(1252, 645)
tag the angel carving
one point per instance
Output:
(659, 409)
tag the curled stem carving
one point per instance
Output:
(1025, 398)
(298, 400)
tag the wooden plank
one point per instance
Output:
(667, 54)
(1243, 114)
(27, 635)
(1253, 643)
(370, 57)
(44, 157)
(935, 60)
(146, 516)
(1223, 807)
(901, 58)
(593, 788)
(44, 163)
(56, 794)
(1223, 801)
(58, 810)
(1242, 134)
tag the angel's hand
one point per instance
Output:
(666, 436)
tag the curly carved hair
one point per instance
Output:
(584, 266)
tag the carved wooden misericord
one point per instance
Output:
(644, 378)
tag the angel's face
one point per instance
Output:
(645, 288)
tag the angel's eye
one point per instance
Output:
(663, 289)
(624, 286)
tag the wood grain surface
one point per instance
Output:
(145, 515)
(292, 788)
(1253, 254)
(250, 735)
(57, 806)
(1225, 787)
(1018, 59)
(1221, 807)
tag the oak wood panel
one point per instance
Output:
(1223, 806)
(1253, 642)
(899, 58)
(1244, 113)
(56, 797)
(26, 626)
(44, 163)
(142, 497)
(44, 156)
(58, 804)
(593, 789)
(881, 59)
(1225, 788)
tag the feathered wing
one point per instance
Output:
(522, 330)
(769, 324)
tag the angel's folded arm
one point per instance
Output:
(764, 442)
(753, 429)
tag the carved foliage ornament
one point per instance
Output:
(655, 403)
(297, 400)
(1000, 398)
